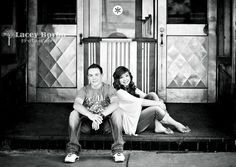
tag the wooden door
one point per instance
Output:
(187, 50)
(55, 64)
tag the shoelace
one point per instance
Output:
(70, 154)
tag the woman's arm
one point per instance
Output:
(147, 102)
(110, 109)
(140, 93)
(123, 95)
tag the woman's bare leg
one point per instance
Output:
(146, 118)
(165, 118)
(159, 128)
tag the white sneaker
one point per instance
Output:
(71, 157)
(119, 157)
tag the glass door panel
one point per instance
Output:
(118, 18)
(186, 62)
(128, 19)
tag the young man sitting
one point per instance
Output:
(94, 103)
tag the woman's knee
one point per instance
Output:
(159, 113)
(152, 96)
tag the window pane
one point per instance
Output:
(187, 11)
(147, 18)
(118, 18)
(57, 12)
(6, 10)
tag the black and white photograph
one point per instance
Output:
(118, 83)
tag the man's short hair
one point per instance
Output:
(95, 66)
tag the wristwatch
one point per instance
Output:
(102, 115)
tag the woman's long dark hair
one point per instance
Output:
(117, 85)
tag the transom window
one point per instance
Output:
(187, 11)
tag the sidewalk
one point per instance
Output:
(102, 158)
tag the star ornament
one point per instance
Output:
(117, 10)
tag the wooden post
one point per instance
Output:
(227, 22)
(233, 42)
(233, 89)
(32, 52)
(212, 21)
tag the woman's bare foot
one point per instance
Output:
(164, 130)
(183, 129)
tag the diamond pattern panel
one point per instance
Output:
(187, 59)
(57, 62)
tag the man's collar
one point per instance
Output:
(102, 83)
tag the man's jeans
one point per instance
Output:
(79, 123)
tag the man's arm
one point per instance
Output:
(82, 110)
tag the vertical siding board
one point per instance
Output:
(86, 61)
(109, 60)
(152, 62)
(126, 54)
(139, 65)
(94, 52)
(148, 66)
(145, 67)
(97, 52)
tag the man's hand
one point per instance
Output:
(95, 118)
(95, 125)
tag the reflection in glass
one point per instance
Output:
(187, 11)
(118, 18)
(56, 12)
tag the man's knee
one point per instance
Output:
(73, 118)
(107, 127)
(116, 117)
(85, 127)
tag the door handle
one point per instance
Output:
(205, 29)
(80, 38)
(162, 36)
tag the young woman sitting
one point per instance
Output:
(139, 109)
